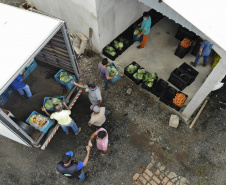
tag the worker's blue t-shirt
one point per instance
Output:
(146, 25)
(206, 48)
(18, 83)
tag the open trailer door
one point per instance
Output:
(12, 131)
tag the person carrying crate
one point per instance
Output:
(145, 27)
(20, 86)
(104, 73)
(63, 118)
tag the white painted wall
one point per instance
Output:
(107, 18)
(115, 16)
(79, 15)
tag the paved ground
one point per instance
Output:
(138, 127)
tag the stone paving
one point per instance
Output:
(157, 174)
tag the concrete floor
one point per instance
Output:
(158, 56)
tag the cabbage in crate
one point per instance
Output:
(131, 68)
(137, 31)
(112, 71)
(65, 77)
(118, 45)
(110, 50)
(51, 102)
(139, 74)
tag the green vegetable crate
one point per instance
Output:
(30, 68)
(148, 88)
(69, 85)
(138, 76)
(112, 57)
(130, 71)
(118, 76)
(58, 97)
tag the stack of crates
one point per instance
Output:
(197, 46)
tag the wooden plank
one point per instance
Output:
(55, 47)
(54, 50)
(56, 53)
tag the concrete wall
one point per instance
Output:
(107, 18)
(79, 15)
(115, 16)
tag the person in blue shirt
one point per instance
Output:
(145, 27)
(204, 52)
(20, 86)
(71, 169)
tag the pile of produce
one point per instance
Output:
(186, 43)
(123, 40)
(110, 50)
(149, 79)
(216, 60)
(118, 45)
(179, 99)
(65, 77)
(37, 120)
(139, 75)
(137, 31)
(51, 102)
(131, 68)
(112, 71)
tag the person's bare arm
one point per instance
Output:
(57, 172)
(140, 23)
(200, 51)
(79, 85)
(66, 106)
(141, 33)
(90, 124)
(44, 110)
(109, 78)
(100, 101)
(91, 138)
(87, 156)
(23, 75)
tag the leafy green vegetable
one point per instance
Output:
(149, 84)
(110, 50)
(65, 77)
(131, 68)
(112, 71)
(118, 45)
(51, 102)
(137, 31)
(139, 75)
(150, 77)
(123, 40)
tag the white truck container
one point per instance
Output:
(25, 36)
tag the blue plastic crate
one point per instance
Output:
(8, 92)
(69, 85)
(3, 100)
(118, 76)
(46, 98)
(30, 68)
(46, 127)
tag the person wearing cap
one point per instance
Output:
(71, 169)
(63, 118)
(98, 117)
(101, 140)
(104, 73)
(94, 92)
(146, 28)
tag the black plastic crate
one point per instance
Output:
(127, 73)
(168, 95)
(181, 51)
(129, 41)
(118, 51)
(159, 88)
(110, 56)
(179, 79)
(189, 71)
(137, 82)
(128, 33)
(185, 33)
(149, 88)
(177, 108)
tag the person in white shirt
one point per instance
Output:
(63, 118)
